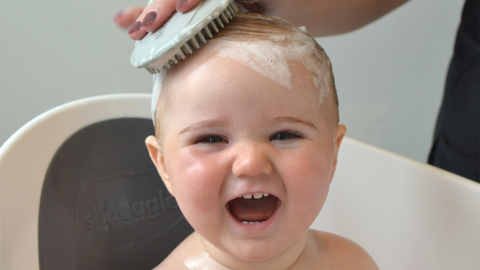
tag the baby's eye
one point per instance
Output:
(285, 135)
(210, 139)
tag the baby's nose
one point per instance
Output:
(251, 160)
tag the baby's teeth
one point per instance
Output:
(256, 195)
(247, 196)
(252, 222)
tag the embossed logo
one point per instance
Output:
(122, 211)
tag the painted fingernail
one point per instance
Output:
(180, 3)
(149, 18)
(135, 27)
(117, 17)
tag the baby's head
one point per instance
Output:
(267, 45)
(254, 112)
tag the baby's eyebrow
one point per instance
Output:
(291, 119)
(202, 125)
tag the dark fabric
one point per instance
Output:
(456, 145)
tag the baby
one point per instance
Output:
(247, 138)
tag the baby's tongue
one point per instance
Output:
(253, 209)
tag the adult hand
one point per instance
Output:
(141, 20)
(321, 17)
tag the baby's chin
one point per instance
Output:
(248, 254)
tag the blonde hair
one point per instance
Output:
(252, 27)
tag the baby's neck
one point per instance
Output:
(301, 254)
(319, 250)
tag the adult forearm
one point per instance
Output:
(331, 17)
(321, 17)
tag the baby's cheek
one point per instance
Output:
(309, 181)
(196, 178)
(309, 200)
(311, 166)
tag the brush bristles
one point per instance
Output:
(200, 38)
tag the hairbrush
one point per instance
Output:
(181, 35)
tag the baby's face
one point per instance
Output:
(230, 134)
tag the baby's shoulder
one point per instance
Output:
(343, 253)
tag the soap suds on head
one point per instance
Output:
(157, 88)
(279, 38)
(264, 57)
(270, 58)
(270, 54)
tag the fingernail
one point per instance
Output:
(180, 3)
(149, 18)
(135, 27)
(118, 16)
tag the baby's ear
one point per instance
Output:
(338, 138)
(156, 154)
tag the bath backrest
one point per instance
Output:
(78, 191)
(406, 214)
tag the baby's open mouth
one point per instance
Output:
(253, 208)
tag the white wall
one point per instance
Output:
(389, 75)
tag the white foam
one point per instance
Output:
(157, 87)
(270, 58)
(261, 56)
